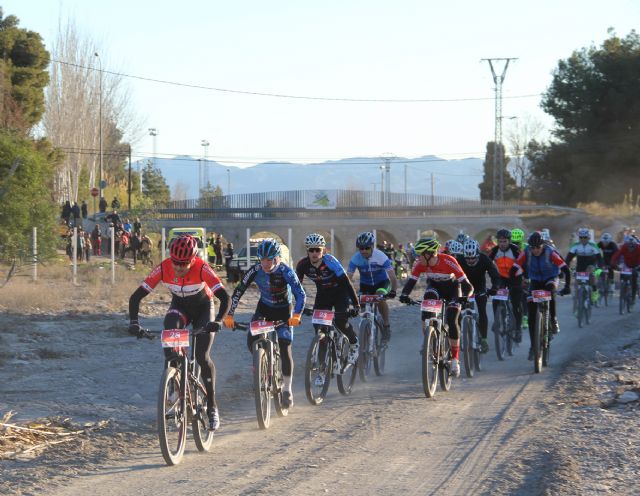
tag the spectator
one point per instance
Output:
(115, 203)
(102, 205)
(411, 255)
(134, 246)
(137, 227)
(83, 209)
(145, 248)
(87, 247)
(127, 226)
(80, 241)
(487, 245)
(113, 217)
(228, 256)
(217, 248)
(211, 250)
(66, 211)
(75, 211)
(96, 240)
(124, 243)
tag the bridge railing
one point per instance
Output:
(302, 204)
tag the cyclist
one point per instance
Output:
(275, 281)
(334, 288)
(399, 259)
(517, 238)
(445, 278)
(541, 264)
(455, 249)
(376, 275)
(462, 237)
(608, 248)
(192, 283)
(476, 266)
(504, 255)
(587, 255)
(629, 255)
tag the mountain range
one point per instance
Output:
(451, 177)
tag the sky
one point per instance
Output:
(343, 49)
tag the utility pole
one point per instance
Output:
(153, 132)
(498, 177)
(205, 170)
(433, 189)
(129, 182)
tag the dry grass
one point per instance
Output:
(627, 208)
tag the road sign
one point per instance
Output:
(95, 192)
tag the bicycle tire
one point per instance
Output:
(379, 356)
(623, 297)
(313, 368)
(429, 355)
(509, 327)
(365, 359)
(276, 388)
(537, 343)
(444, 374)
(467, 345)
(202, 436)
(477, 360)
(346, 379)
(498, 332)
(171, 413)
(261, 392)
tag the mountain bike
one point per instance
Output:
(182, 397)
(436, 349)
(583, 298)
(470, 342)
(504, 324)
(541, 329)
(626, 293)
(327, 357)
(370, 337)
(267, 369)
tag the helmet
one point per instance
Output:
(447, 244)
(606, 237)
(183, 249)
(314, 240)
(471, 248)
(503, 233)
(462, 237)
(456, 248)
(630, 240)
(426, 245)
(365, 240)
(517, 235)
(535, 239)
(545, 235)
(583, 232)
(268, 248)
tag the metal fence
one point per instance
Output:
(348, 203)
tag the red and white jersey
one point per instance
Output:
(446, 268)
(200, 277)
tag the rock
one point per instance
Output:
(628, 397)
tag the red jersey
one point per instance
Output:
(200, 277)
(446, 268)
(630, 258)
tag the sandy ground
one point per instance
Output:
(506, 431)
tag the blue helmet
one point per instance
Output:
(268, 248)
(365, 240)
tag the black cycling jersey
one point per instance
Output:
(477, 273)
(607, 251)
(329, 276)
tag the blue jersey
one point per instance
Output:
(275, 287)
(373, 269)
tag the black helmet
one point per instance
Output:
(503, 233)
(535, 239)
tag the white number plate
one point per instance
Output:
(539, 295)
(501, 295)
(582, 276)
(322, 317)
(175, 338)
(433, 306)
(261, 327)
(364, 299)
(625, 272)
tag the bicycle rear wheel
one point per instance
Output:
(172, 419)
(467, 345)
(346, 379)
(202, 436)
(276, 387)
(537, 342)
(365, 359)
(261, 392)
(379, 354)
(444, 364)
(499, 332)
(318, 368)
(430, 362)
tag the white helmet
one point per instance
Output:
(471, 248)
(583, 232)
(606, 237)
(456, 248)
(315, 240)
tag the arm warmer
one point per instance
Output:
(222, 295)
(134, 302)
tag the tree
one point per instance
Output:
(595, 101)
(486, 186)
(23, 76)
(211, 197)
(520, 136)
(154, 185)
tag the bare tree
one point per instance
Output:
(180, 191)
(523, 130)
(71, 121)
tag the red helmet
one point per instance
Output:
(183, 249)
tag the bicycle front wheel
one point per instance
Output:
(365, 360)
(499, 332)
(276, 387)
(348, 371)
(379, 354)
(202, 436)
(623, 297)
(467, 345)
(537, 342)
(444, 363)
(261, 389)
(317, 374)
(172, 418)
(430, 362)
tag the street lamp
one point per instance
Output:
(100, 185)
(205, 171)
(228, 181)
(153, 132)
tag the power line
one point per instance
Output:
(295, 97)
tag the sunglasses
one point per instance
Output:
(180, 264)
(365, 249)
(584, 237)
(314, 250)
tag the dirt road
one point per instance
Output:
(386, 438)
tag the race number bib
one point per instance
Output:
(364, 299)
(540, 295)
(322, 317)
(175, 338)
(501, 295)
(582, 276)
(432, 306)
(261, 327)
